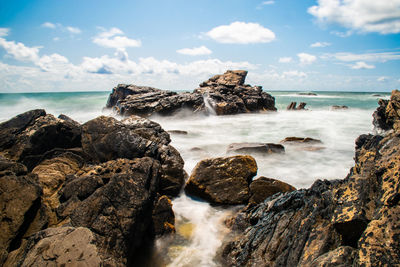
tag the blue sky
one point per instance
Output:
(349, 45)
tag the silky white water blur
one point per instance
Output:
(209, 136)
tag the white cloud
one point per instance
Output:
(270, 2)
(382, 79)
(361, 15)
(320, 44)
(362, 65)
(195, 51)
(285, 60)
(54, 62)
(306, 58)
(19, 51)
(73, 30)
(294, 73)
(4, 32)
(342, 34)
(114, 38)
(241, 33)
(372, 57)
(49, 25)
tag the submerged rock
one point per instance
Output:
(338, 107)
(257, 148)
(222, 181)
(334, 222)
(224, 94)
(301, 140)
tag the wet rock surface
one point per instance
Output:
(222, 181)
(263, 187)
(86, 194)
(333, 223)
(256, 148)
(224, 94)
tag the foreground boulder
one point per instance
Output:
(222, 95)
(90, 194)
(222, 181)
(352, 222)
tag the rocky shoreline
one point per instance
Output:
(95, 194)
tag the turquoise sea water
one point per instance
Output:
(86, 105)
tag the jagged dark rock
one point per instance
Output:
(102, 179)
(163, 217)
(387, 115)
(224, 94)
(333, 223)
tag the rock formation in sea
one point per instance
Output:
(91, 193)
(350, 222)
(222, 94)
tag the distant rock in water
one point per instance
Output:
(308, 93)
(337, 107)
(180, 132)
(293, 106)
(224, 94)
(88, 194)
(350, 222)
(257, 148)
(301, 140)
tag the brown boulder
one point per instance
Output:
(264, 187)
(222, 181)
(19, 204)
(62, 246)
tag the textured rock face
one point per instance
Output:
(293, 106)
(223, 181)
(225, 94)
(104, 180)
(387, 115)
(333, 223)
(264, 187)
(63, 246)
(19, 202)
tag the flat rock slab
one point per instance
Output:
(256, 148)
(301, 140)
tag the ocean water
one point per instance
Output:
(200, 227)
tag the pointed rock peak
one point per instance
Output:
(230, 78)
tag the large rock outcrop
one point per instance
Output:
(350, 222)
(90, 194)
(222, 94)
